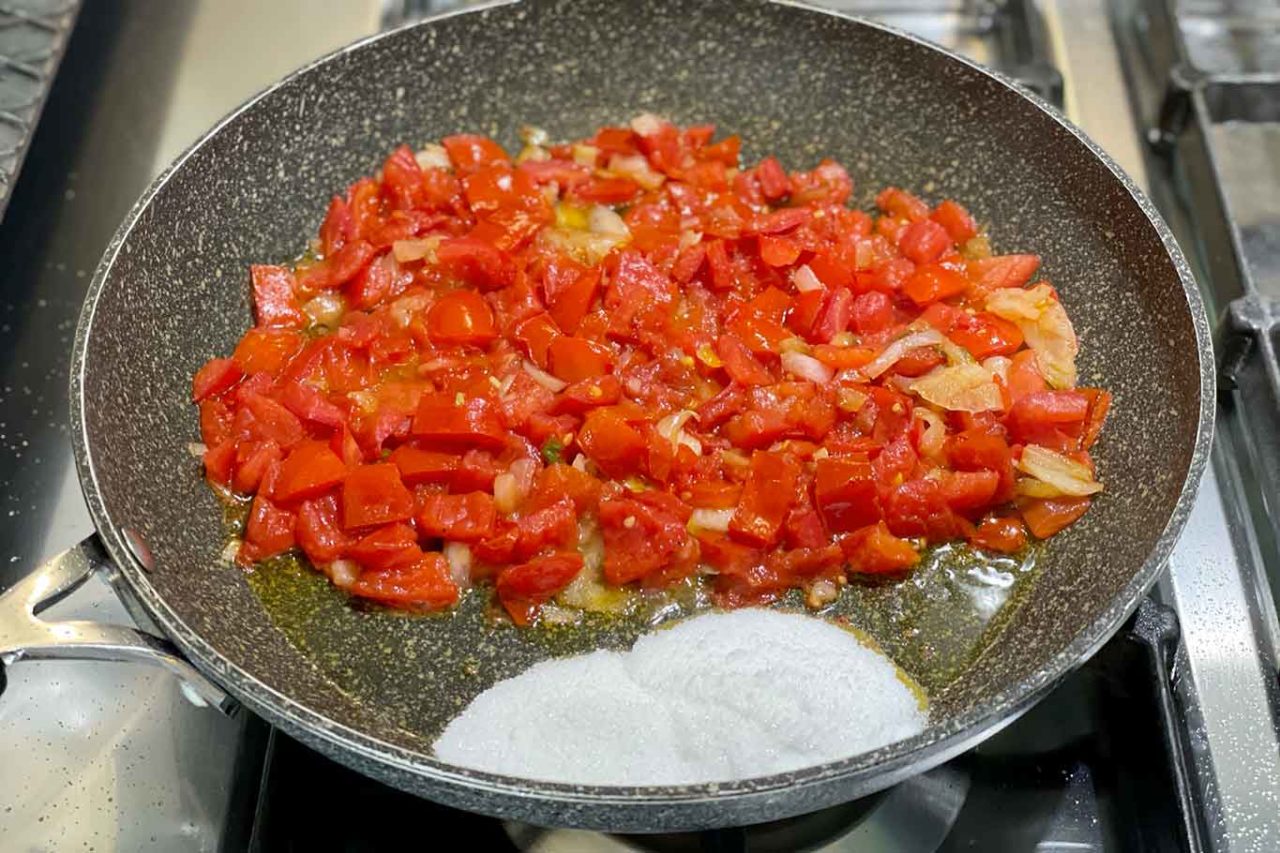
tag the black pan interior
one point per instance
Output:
(803, 84)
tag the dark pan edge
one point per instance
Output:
(655, 808)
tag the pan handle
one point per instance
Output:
(25, 636)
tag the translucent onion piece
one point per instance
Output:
(585, 155)
(404, 308)
(343, 573)
(637, 168)
(415, 250)
(850, 399)
(960, 388)
(1046, 328)
(896, 350)
(710, 519)
(934, 435)
(433, 156)
(546, 380)
(804, 279)
(1066, 475)
(459, 556)
(506, 493)
(196, 449)
(325, 309)
(672, 425)
(806, 367)
(647, 124)
(998, 366)
(604, 220)
(821, 592)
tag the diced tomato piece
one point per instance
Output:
(984, 334)
(587, 394)
(611, 190)
(836, 315)
(536, 334)
(872, 312)
(472, 152)
(423, 466)
(273, 421)
(933, 282)
(319, 531)
(1003, 270)
(1024, 376)
(266, 350)
(445, 422)
(574, 359)
(268, 532)
(219, 461)
(919, 508)
(461, 317)
(779, 251)
(555, 526)
(956, 220)
(1047, 409)
(464, 518)
(310, 405)
(902, 204)
(846, 495)
(536, 581)
(425, 585)
(969, 490)
(805, 309)
(337, 228)
(983, 450)
(641, 539)
(374, 494)
(610, 442)
(739, 363)
(570, 304)
(918, 362)
(310, 469)
(557, 481)
(390, 547)
(1047, 516)
(768, 494)
(217, 375)
(274, 301)
(1002, 534)
(1099, 405)
(924, 241)
(873, 550)
(773, 179)
(475, 262)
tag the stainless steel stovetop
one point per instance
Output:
(1170, 739)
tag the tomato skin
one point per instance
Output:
(1099, 406)
(575, 359)
(274, 302)
(588, 393)
(1034, 413)
(969, 490)
(373, 494)
(846, 495)
(461, 317)
(308, 404)
(555, 525)
(768, 494)
(536, 334)
(773, 179)
(1047, 516)
(805, 308)
(933, 282)
(536, 581)
(424, 585)
(474, 261)
(423, 466)
(569, 305)
(216, 376)
(337, 228)
(1004, 535)
(641, 539)
(874, 550)
(310, 470)
(443, 423)
(463, 518)
(956, 220)
(984, 334)
(835, 317)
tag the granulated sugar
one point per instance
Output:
(718, 697)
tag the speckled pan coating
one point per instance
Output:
(172, 291)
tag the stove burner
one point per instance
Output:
(913, 817)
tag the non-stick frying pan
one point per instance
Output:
(372, 689)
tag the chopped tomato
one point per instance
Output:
(933, 282)
(1047, 516)
(461, 317)
(266, 350)
(846, 494)
(1003, 534)
(464, 518)
(391, 547)
(446, 422)
(310, 469)
(613, 444)
(424, 585)
(1004, 270)
(574, 359)
(956, 220)
(374, 494)
(768, 494)
(269, 531)
(873, 550)
(217, 375)
(534, 582)
(923, 242)
(274, 301)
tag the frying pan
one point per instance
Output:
(371, 689)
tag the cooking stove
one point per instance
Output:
(1168, 739)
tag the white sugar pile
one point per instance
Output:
(721, 696)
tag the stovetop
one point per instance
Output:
(1166, 740)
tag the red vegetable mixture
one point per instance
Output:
(631, 360)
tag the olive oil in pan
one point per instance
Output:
(421, 670)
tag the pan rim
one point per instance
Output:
(626, 807)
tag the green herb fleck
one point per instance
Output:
(551, 450)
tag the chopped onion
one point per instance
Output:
(710, 519)
(586, 155)
(1066, 475)
(1045, 326)
(647, 124)
(793, 345)
(343, 573)
(604, 220)
(459, 556)
(433, 156)
(637, 168)
(546, 380)
(417, 249)
(196, 449)
(850, 399)
(672, 429)
(843, 339)
(229, 552)
(934, 434)
(554, 614)
(404, 308)
(998, 366)
(955, 353)
(889, 356)
(806, 367)
(689, 237)
(511, 487)
(505, 385)
(530, 135)
(708, 356)
(960, 388)
(805, 280)
(821, 592)
(326, 309)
